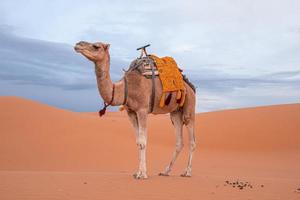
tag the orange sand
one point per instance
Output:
(48, 153)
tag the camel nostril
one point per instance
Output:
(77, 47)
(82, 43)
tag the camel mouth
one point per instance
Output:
(80, 46)
(78, 49)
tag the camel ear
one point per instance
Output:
(106, 46)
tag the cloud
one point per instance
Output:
(30, 61)
(46, 65)
(49, 72)
(238, 53)
(219, 91)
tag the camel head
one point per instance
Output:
(95, 52)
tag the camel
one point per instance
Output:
(136, 103)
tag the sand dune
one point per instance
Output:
(82, 156)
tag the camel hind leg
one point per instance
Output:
(192, 145)
(189, 122)
(176, 118)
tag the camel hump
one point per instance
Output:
(142, 65)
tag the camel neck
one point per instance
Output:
(105, 84)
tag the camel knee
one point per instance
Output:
(141, 142)
(192, 146)
(186, 118)
(179, 146)
(141, 145)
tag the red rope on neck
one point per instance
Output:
(103, 110)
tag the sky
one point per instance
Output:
(237, 53)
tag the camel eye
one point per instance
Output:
(96, 47)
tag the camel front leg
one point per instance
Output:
(141, 141)
(133, 119)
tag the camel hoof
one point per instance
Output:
(186, 174)
(140, 175)
(163, 174)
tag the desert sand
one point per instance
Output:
(49, 153)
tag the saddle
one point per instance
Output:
(169, 74)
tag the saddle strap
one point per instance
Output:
(125, 91)
(153, 89)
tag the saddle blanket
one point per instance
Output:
(171, 78)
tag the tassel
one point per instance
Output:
(121, 108)
(167, 102)
(103, 110)
(178, 95)
(182, 98)
(162, 100)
